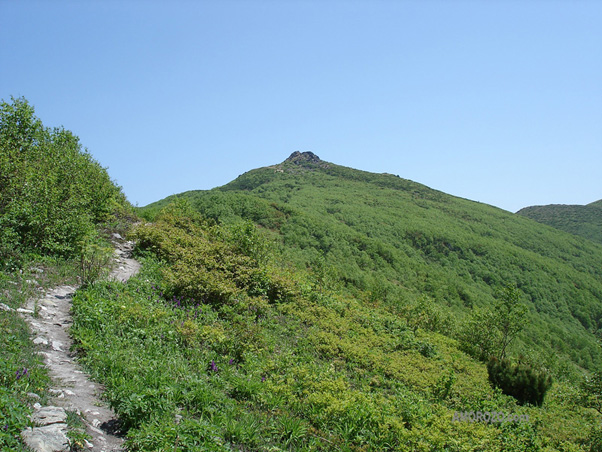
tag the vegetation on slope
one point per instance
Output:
(257, 355)
(52, 192)
(585, 221)
(55, 202)
(400, 241)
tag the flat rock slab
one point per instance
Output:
(49, 415)
(49, 438)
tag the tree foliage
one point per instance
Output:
(520, 380)
(489, 331)
(52, 192)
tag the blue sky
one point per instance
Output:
(495, 101)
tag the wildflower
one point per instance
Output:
(263, 379)
(231, 362)
(213, 366)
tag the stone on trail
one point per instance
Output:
(40, 340)
(49, 438)
(49, 415)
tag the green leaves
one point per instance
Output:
(509, 317)
(52, 192)
(591, 392)
(489, 331)
(399, 241)
(523, 382)
(94, 260)
(212, 263)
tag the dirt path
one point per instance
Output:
(73, 390)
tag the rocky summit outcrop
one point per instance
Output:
(299, 158)
(301, 162)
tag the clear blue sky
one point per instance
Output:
(495, 101)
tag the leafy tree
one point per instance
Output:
(480, 335)
(591, 392)
(510, 316)
(488, 332)
(52, 192)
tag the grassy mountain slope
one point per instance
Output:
(585, 221)
(219, 345)
(398, 241)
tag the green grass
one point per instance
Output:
(309, 367)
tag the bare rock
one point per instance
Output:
(49, 415)
(40, 340)
(49, 438)
(57, 346)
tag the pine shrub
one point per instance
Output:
(521, 381)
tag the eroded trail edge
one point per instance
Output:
(73, 389)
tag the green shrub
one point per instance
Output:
(94, 260)
(521, 381)
(208, 262)
(13, 419)
(52, 192)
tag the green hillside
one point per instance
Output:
(312, 307)
(303, 307)
(399, 241)
(217, 346)
(585, 221)
(597, 204)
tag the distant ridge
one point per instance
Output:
(585, 221)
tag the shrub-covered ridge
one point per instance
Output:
(307, 368)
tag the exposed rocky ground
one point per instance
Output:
(73, 390)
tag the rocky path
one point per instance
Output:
(73, 390)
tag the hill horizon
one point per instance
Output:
(385, 233)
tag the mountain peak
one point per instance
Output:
(302, 157)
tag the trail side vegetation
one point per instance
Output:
(57, 207)
(260, 355)
(519, 301)
(585, 221)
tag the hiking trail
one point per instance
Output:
(72, 389)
